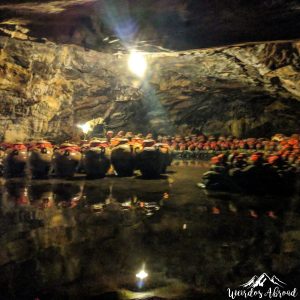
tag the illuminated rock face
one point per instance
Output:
(46, 89)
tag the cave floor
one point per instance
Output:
(87, 239)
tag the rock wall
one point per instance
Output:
(46, 89)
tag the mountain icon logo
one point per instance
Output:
(263, 279)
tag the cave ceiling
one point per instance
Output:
(112, 25)
(224, 67)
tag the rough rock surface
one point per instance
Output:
(173, 24)
(46, 89)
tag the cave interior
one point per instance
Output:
(213, 67)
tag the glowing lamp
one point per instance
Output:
(137, 63)
(84, 127)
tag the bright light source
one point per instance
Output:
(84, 127)
(142, 275)
(137, 63)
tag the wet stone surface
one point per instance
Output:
(86, 239)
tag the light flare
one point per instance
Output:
(142, 274)
(137, 63)
(84, 127)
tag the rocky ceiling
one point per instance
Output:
(65, 62)
(172, 24)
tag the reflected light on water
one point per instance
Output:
(141, 276)
(56, 230)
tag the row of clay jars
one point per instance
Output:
(150, 158)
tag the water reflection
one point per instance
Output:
(73, 239)
(95, 195)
